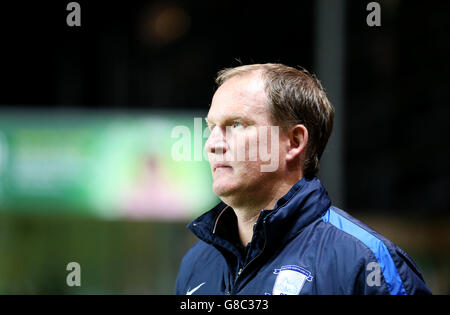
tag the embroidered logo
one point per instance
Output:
(290, 280)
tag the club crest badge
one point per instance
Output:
(290, 280)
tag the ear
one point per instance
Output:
(297, 141)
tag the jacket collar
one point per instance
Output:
(306, 201)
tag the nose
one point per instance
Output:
(216, 143)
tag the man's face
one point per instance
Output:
(238, 120)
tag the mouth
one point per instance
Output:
(220, 166)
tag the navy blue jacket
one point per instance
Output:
(302, 246)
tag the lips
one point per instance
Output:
(217, 166)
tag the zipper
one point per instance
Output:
(254, 258)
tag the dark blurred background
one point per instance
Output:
(387, 161)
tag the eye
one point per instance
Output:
(236, 124)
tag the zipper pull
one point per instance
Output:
(239, 273)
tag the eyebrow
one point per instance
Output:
(232, 118)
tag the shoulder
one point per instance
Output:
(200, 253)
(197, 261)
(371, 252)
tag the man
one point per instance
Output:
(275, 231)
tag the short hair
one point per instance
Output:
(295, 97)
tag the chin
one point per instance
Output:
(223, 190)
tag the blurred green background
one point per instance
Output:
(112, 192)
(115, 257)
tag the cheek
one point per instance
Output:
(248, 170)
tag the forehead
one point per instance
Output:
(242, 96)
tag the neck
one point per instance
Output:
(247, 214)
